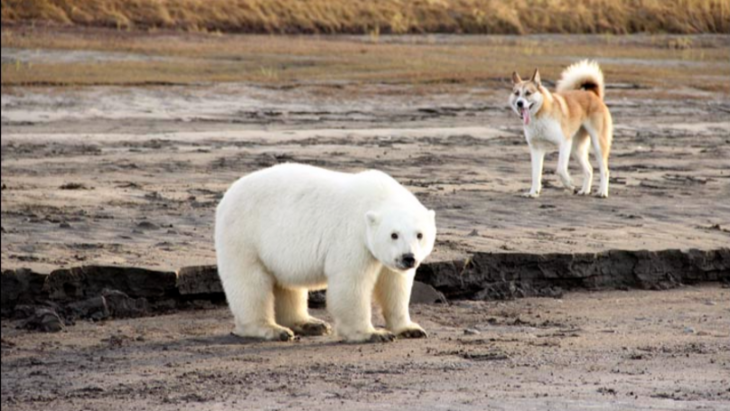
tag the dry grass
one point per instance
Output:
(429, 62)
(384, 16)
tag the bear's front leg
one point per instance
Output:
(393, 294)
(291, 312)
(349, 299)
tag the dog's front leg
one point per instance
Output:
(565, 149)
(538, 156)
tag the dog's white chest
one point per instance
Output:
(543, 131)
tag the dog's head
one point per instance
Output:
(526, 98)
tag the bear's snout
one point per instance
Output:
(408, 261)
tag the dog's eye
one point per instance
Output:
(419, 236)
(517, 93)
(527, 94)
(394, 236)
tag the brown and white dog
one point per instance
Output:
(571, 118)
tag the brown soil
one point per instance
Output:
(635, 350)
(115, 176)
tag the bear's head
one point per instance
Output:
(399, 238)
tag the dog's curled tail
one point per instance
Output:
(584, 75)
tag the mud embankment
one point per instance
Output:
(50, 302)
(495, 276)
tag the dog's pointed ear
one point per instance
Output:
(516, 78)
(536, 77)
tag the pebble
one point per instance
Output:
(471, 331)
(146, 225)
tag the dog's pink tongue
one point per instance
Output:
(526, 116)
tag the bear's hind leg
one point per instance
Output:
(250, 293)
(349, 301)
(393, 294)
(291, 311)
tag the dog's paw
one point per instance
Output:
(583, 193)
(531, 195)
(602, 195)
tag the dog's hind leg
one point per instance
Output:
(566, 147)
(601, 139)
(581, 146)
(605, 141)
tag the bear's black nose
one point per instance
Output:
(520, 104)
(409, 261)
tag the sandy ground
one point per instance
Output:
(132, 175)
(618, 350)
(101, 176)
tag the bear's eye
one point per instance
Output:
(419, 236)
(394, 236)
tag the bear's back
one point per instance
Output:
(299, 181)
(293, 216)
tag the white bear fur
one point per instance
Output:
(291, 228)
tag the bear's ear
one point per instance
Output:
(432, 214)
(372, 218)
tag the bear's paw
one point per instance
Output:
(381, 336)
(312, 328)
(415, 332)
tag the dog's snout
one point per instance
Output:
(520, 103)
(409, 260)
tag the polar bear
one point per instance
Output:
(291, 228)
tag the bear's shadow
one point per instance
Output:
(234, 340)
